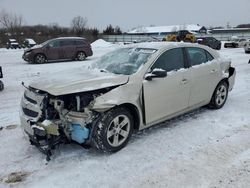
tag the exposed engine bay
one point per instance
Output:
(53, 120)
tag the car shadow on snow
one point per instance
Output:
(77, 152)
(59, 61)
(169, 124)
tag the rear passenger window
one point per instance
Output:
(66, 42)
(170, 60)
(80, 42)
(198, 56)
(209, 56)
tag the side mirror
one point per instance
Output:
(156, 73)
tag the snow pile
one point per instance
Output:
(100, 43)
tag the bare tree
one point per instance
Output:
(10, 21)
(79, 24)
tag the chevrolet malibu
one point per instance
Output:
(131, 88)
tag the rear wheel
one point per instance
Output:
(40, 58)
(219, 96)
(218, 47)
(113, 130)
(80, 56)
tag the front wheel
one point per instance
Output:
(40, 58)
(219, 96)
(80, 56)
(113, 130)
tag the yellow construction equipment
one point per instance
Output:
(182, 35)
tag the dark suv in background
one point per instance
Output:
(210, 41)
(64, 48)
(12, 44)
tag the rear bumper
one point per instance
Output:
(89, 52)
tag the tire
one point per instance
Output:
(1, 86)
(40, 58)
(219, 96)
(80, 56)
(218, 47)
(113, 130)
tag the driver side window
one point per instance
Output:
(54, 44)
(171, 60)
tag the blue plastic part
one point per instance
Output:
(79, 133)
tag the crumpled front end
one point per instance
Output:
(50, 121)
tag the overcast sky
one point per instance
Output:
(131, 13)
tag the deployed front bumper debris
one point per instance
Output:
(1, 76)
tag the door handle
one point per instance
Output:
(184, 81)
(213, 71)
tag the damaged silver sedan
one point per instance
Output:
(128, 89)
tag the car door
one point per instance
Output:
(204, 73)
(68, 48)
(54, 50)
(166, 96)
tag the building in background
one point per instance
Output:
(166, 30)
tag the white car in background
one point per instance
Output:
(247, 46)
(235, 43)
(131, 88)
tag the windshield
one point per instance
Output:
(124, 61)
(46, 42)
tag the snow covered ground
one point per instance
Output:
(205, 148)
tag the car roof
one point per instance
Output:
(71, 38)
(30, 40)
(12, 40)
(164, 45)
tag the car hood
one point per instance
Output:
(36, 46)
(76, 81)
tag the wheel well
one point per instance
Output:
(134, 112)
(39, 54)
(224, 80)
(81, 51)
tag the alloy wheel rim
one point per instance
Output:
(221, 95)
(40, 59)
(81, 56)
(118, 130)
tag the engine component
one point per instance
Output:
(50, 127)
(79, 133)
